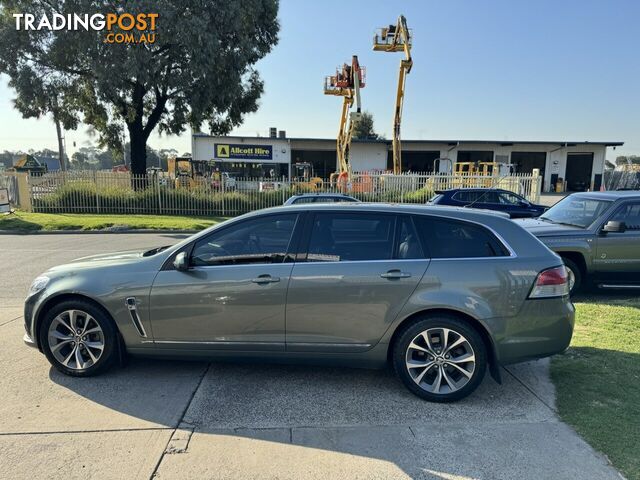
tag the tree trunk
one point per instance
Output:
(138, 142)
(61, 154)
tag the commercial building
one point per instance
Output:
(577, 165)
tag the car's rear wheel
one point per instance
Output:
(575, 275)
(78, 338)
(440, 358)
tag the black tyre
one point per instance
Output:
(78, 338)
(440, 358)
(575, 275)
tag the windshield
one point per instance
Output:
(576, 211)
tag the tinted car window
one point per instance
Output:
(630, 215)
(339, 237)
(444, 238)
(489, 197)
(408, 243)
(304, 200)
(260, 240)
(466, 196)
(510, 198)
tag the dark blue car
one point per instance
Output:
(489, 199)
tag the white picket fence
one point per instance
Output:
(124, 193)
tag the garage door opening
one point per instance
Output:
(416, 161)
(525, 162)
(323, 161)
(578, 173)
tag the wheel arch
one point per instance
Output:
(577, 258)
(52, 301)
(471, 321)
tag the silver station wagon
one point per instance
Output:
(443, 294)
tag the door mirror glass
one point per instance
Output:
(181, 262)
(613, 226)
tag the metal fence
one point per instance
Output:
(123, 193)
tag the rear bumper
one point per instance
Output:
(542, 328)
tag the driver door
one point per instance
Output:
(617, 259)
(233, 295)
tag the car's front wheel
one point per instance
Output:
(78, 338)
(440, 358)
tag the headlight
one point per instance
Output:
(38, 285)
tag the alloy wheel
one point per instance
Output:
(440, 360)
(76, 339)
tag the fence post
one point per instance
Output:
(95, 181)
(157, 182)
(24, 192)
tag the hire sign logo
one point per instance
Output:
(120, 28)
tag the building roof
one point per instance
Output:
(560, 143)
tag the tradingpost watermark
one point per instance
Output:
(119, 28)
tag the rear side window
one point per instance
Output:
(304, 200)
(444, 238)
(339, 237)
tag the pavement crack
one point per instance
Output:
(9, 321)
(550, 407)
(181, 436)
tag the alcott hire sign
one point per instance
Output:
(244, 152)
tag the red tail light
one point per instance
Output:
(551, 283)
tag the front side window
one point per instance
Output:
(444, 238)
(339, 237)
(510, 198)
(259, 240)
(629, 214)
(576, 211)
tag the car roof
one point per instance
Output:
(473, 189)
(475, 214)
(608, 195)
(320, 194)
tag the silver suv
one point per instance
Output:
(441, 293)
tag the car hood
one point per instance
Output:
(103, 260)
(541, 228)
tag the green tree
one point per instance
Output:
(623, 159)
(200, 70)
(363, 129)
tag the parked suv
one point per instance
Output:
(597, 234)
(516, 206)
(440, 293)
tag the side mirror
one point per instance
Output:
(181, 262)
(614, 227)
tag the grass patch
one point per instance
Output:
(598, 379)
(30, 222)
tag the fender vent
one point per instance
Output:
(131, 304)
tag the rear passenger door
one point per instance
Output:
(353, 277)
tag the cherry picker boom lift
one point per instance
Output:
(396, 38)
(346, 83)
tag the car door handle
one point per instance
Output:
(391, 274)
(265, 279)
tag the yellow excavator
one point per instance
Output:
(346, 83)
(396, 38)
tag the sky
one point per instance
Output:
(487, 70)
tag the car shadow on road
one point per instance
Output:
(322, 415)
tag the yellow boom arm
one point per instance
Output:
(397, 39)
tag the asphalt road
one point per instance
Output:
(208, 420)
